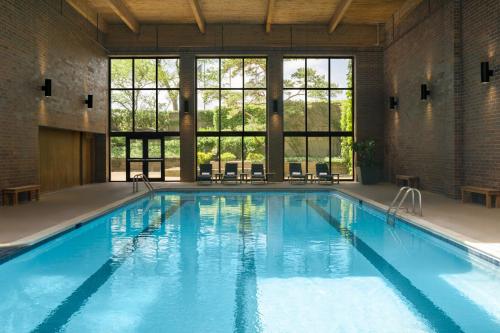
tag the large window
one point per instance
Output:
(144, 118)
(318, 113)
(231, 111)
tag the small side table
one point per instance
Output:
(243, 177)
(218, 177)
(309, 177)
(411, 181)
(268, 174)
(336, 175)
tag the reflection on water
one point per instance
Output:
(239, 262)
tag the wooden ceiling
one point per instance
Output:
(201, 12)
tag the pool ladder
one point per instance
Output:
(137, 178)
(416, 204)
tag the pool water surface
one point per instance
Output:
(248, 262)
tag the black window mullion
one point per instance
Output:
(133, 95)
(329, 115)
(305, 114)
(243, 114)
(220, 115)
(156, 68)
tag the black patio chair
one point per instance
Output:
(205, 173)
(323, 173)
(296, 174)
(257, 173)
(230, 172)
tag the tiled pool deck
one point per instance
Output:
(470, 224)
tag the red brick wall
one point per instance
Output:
(40, 39)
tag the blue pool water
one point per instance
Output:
(248, 262)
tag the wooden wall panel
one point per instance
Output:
(87, 158)
(59, 159)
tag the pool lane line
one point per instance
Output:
(245, 312)
(434, 315)
(60, 316)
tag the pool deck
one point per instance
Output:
(470, 224)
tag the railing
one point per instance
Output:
(393, 209)
(137, 178)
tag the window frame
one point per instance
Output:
(331, 134)
(133, 134)
(219, 133)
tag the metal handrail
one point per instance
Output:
(393, 210)
(145, 180)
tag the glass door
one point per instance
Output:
(145, 156)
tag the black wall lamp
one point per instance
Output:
(275, 106)
(486, 72)
(393, 102)
(47, 87)
(424, 92)
(90, 101)
(186, 106)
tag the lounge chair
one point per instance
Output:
(230, 172)
(296, 173)
(257, 173)
(324, 175)
(205, 173)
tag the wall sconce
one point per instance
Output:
(47, 87)
(486, 72)
(186, 106)
(424, 92)
(275, 106)
(90, 101)
(393, 102)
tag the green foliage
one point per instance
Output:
(231, 102)
(231, 112)
(227, 156)
(256, 157)
(365, 151)
(172, 147)
(341, 115)
(346, 152)
(204, 157)
(145, 101)
(117, 147)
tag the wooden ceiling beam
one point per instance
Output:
(125, 15)
(89, 14)
(198, 15)
(340, 11)
(270, 13)
(405, 9)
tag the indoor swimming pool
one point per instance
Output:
(308, 261)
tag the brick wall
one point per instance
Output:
(419, 136)
(45, 39)
(452, 139)
(369, 93)
(481, 102)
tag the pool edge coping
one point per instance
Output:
(58, 229)
(449, 236)
(463, 242)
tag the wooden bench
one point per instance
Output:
(411, 181)
(12, 193)
(488, 192)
